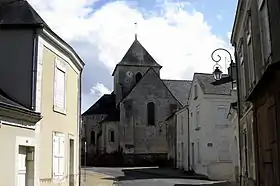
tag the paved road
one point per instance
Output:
(130, 177)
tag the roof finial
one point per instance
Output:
(135, 30)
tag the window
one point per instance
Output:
(151, 113)
(138, 77)
(92, 137)
(265, 31)
(197, 120)
(224, 154)
(198, 151)
(251, 66)
(60, 87)
(182, 124)
(242, 68)
(195, 91)
(221, 116)
(111, 136)
(58, 156)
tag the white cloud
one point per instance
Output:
(180, 40)
(99, 89)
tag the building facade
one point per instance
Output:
(42, 73)
(255, 38)
(210, 131)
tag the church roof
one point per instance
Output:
(104, 105)
(205, 81)
(137, 55)
(149, 71)
(114, 115)
(180, 89)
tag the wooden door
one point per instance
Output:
(21, 166)
(267, 144)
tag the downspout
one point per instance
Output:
(188, 128)
(34, 69)
(239, 114)
(79, 124)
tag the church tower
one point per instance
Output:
(129, 71)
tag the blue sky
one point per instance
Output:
(180, 35)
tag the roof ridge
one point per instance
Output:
(175, 80)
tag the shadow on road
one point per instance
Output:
(155, 173)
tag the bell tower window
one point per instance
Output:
(138, 77)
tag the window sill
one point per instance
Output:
(59, 110)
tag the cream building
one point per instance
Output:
(41, 74)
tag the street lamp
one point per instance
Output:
(217, 73)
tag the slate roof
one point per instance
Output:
(205, 81)
(180, 89)
(8, 103)
(19, 12)
(137, 55)
(114, 115)
(105, 105)
(5, 99)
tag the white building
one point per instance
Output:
(182, 140)
(211, 135)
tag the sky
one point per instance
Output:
(179, 34)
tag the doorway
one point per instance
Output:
(193, 164)
(25, 166)
(71, 162)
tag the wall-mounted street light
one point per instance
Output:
(217, 73)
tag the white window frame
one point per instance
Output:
(60, 66)
(60, 156)
(218, 124)
(224, 151)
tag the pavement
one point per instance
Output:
(144, 176)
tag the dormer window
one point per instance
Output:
(138, 77)
(195, 91)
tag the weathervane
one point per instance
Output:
(135, 30)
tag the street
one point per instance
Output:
(139, 177)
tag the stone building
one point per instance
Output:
(255, 37)
(131, 119)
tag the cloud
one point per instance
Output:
(175, 34)
(99, 89)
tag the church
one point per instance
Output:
(131, 120)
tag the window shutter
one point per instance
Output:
(55, 156)
(61, 156)
(60, 88)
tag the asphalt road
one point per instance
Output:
(130, 177)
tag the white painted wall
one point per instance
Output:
(182, 139)
(210, 134)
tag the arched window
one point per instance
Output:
(92, 137)
(138, 77)
(111, 136)
(151, 113)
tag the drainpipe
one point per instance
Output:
(239, 114)
(188, 128)
(79, 124)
